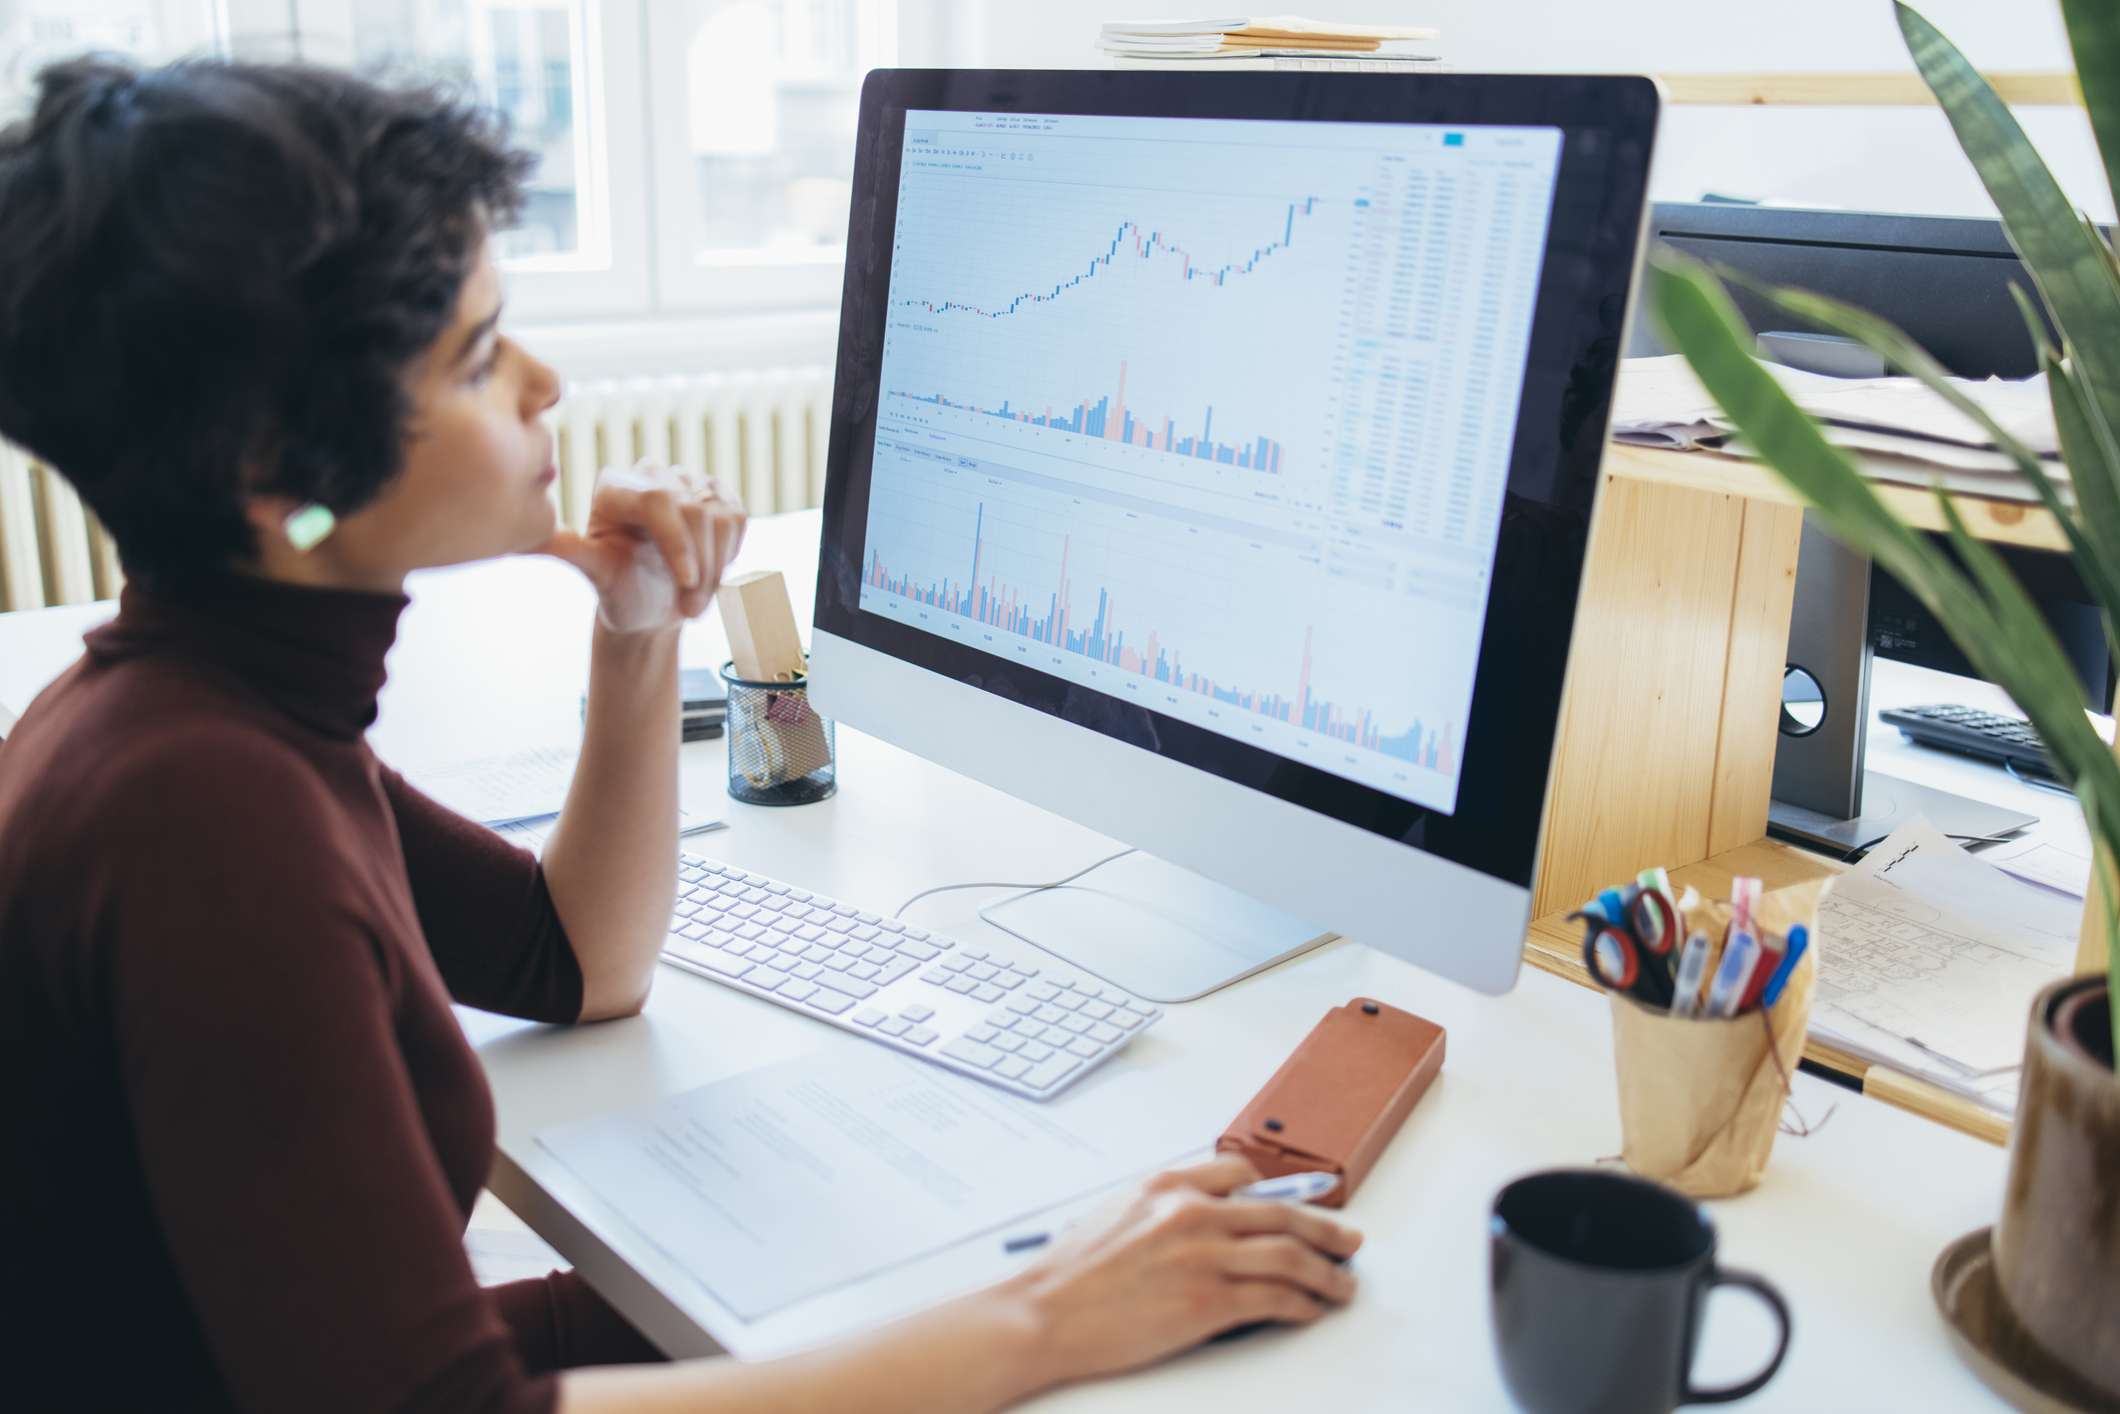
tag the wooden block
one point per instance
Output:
(760, 619)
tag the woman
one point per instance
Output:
(251, 314)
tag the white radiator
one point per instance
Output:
(762, 433)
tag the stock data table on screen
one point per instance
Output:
(1211, 415)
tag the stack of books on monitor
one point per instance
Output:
(1269, 42)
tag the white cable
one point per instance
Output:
(995, 884)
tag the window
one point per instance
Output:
(34, 33)
(755, 108)
(743, 110)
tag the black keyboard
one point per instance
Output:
(1972, 732)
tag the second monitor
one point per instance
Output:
(1212, 461)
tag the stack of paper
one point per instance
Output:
(1897, 429)
(1267, 41)
(1929, 961)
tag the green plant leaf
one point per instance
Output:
(2094, 468)
(2034, 324)
(2100, 527)
(1700, 321)
(2072, 269)
(2094, 40)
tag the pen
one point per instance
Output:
(1692, 970)
(1288, 1188)
(1739, 957)
(1799, 939)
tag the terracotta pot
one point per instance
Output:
(2057, 1247)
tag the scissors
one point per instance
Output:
(1628, 938)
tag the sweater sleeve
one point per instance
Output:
(278, 1130)
(488, 916)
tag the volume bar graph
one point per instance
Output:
(1109, 419)
(1129, 240)
(1047, 618)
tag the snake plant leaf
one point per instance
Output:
(2099, 498)
(2094, 465)
(1701, 322)
(2034, 323)
(2094, 40)
(2071, 267)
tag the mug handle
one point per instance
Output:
(1725, 1276)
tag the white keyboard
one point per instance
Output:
(1008, 1017)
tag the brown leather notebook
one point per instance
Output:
(1340, 1096)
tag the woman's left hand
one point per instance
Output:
(655, 547)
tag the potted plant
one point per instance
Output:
(2057, 1245)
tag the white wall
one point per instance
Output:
(1862, 158)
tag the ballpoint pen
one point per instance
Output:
(1288, 1188)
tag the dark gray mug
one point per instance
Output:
(1598, 1281)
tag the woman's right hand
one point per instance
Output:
(1179, 1263)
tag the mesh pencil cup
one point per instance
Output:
(780, 750)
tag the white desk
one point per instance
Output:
(1847, 1222)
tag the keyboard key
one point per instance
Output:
(982, 1034)
(980, 971)
(1061, 979)
(963, 986)
(894, 1026)
(987, 992)
(795, 989)
(1096, 1011)
(814, 953)
(891, 925)
(852, 986)
(1127, 1019)
(841, 925)
(918, 951)
(1022, 970)
(831, 1000)
(955, 964)
(807, 970)
(866, 971)
(1007, 981)
(975, 954)
(920, 1035)
(1045, 991)
(742, 910)
(917, 1012)
(870, 918)
(727, 964)
(840, 962)
(846, 910)
(1056, 1036)
(1034, 1051)
(896, 968)
(799, 896)
(1047, 1074)
(867, 933)
(867, 1016)
(1048, 1014)
(1006, 1041)
(972, 1053)
(1001, 1019)
(1104, 1035)
(1076, 1024)
(1068, 1000)
(1085, 1049)
(920, 934)
(935, 975)
(1012, 1067)
(1023, 1006)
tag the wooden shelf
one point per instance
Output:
(1554, 945)
(2050, 89)
(2002, 521)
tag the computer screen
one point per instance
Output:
(1212, 416)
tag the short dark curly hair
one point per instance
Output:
(215, 278)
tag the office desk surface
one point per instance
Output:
(1847, 1221)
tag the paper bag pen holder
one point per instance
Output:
(1700, 1101)
(781, 752)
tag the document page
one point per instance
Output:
(799, 1177)
(1939, 950)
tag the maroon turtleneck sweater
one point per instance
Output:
(244, 1130)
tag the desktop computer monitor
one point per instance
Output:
(1212, 460)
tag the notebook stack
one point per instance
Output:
(1269, 42)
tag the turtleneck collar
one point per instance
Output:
(316, 654)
